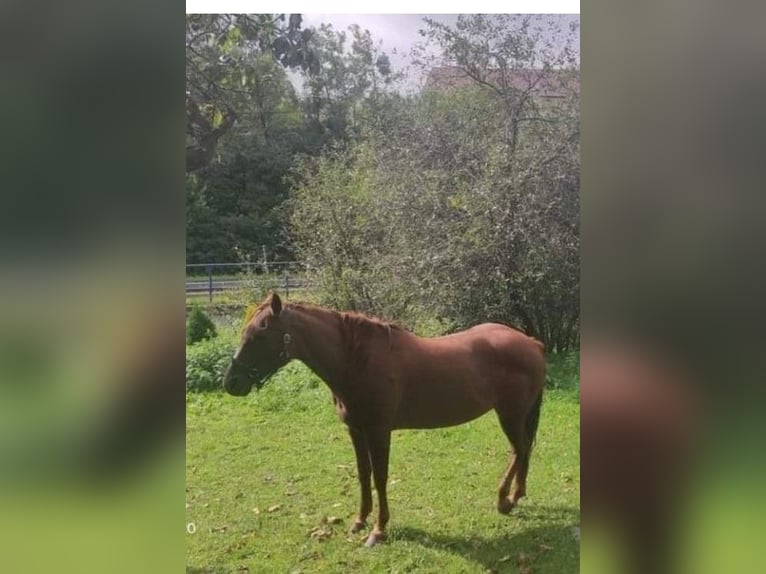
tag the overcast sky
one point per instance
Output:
(397, 33)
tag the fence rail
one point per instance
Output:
(213, 278)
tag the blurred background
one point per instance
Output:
(672, 285)
(91, 252)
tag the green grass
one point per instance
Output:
(271, 487)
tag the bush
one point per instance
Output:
(563, 371)
(199, 326)
(470, 229)
(206, 362)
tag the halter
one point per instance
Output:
(254, 373)
(286, 339)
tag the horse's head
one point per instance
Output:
(262, 351)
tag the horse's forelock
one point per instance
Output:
(251, 311)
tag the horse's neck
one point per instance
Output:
(319, 344)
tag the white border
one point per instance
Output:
(383, 7)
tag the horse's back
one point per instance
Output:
(501, 341)
(451, 379)
(509, 361)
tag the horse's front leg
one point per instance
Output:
(379, 443)
(363, 470)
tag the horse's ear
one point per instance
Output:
(276, 304)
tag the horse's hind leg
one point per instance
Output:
(513, 427)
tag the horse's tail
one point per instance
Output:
(533, 418)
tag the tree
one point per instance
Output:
(437, 212)
(514, 57)
(232, 200)
(345, 76)
(524, 206)
(222, 55)
(253, 126)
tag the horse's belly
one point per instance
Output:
(441, 407)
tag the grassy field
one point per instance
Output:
(271, 487)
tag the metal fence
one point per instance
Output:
(210, 278)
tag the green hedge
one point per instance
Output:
(206, 362)
(199, 326)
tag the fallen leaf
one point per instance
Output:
(257, 510)
(334, 520)
(504, 559)
(274, 508)
(320, 533)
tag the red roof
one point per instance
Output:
(545, 83)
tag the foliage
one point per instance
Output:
(346, 80)
(246, 125)
(435, 215)
(563, 371)
(509, 56)
(444, 210)
(206, 361)
(225, 56)
(234, 202)
(440, 209)
(199, 326)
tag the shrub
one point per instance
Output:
(563, 371)
(469, 229)
(199, 326)
(205, 363)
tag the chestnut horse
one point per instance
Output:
(384, 378)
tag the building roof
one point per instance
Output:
(545, 83)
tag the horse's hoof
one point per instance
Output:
(357, 527)
(374, 538)
(505, 506)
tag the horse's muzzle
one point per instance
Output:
(236, 385)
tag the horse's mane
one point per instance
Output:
(351, 320)
(359, 331)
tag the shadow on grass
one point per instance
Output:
(540, 549)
